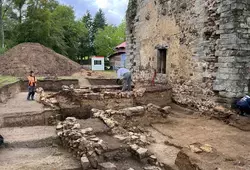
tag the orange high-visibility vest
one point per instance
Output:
(32, 81)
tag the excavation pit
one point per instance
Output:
(103, 127)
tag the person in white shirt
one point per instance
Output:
(125, 75)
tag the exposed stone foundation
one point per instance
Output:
(94, 149)
(9, 91)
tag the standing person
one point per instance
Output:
(125, 75)
(31, 86)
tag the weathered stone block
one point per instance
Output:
(85, 163)
(107, 166)
(152, 168)
(142, 153)
(86, 130)
(134, 111)
(167, 109)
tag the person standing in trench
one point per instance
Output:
(31, 86)
(124, 75)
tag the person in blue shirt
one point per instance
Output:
(244, 106)
(125, 75)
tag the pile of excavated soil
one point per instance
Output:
(23, 58)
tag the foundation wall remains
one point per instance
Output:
(9, 91)
(51, 85)
(79, 102)
(205, 41)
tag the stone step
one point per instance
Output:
(22, 119)
(29, 137)
(46, 158)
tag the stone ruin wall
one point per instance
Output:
(208, 42)
(232, 78)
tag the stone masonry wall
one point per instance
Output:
(179, 25)
(233, 48)
(207, 42)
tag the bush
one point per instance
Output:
(2, 50)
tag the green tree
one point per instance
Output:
(1, 24)
(19, 5)
(55, 26)
(5, 7)
(86, 44)
(36, 27)
(52, 25)
(62, 19)
(109, 37)
(72, 30)
(87, 20)
(99, 21)
(10, 19)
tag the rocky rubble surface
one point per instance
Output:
(88, 147)
(46, 99)
(103, 93)
(193, 95)
(127, 124)
(202, 99)
(81, 142)
(89, 94)
(197, 96)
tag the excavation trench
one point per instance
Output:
(116, 146)
(138, 130)
(148, 135)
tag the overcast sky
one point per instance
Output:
(114, 9)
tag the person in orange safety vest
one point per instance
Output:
(31, 86)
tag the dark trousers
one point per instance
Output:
(127, 82)
(31, 92)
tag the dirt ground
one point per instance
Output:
(184, 129)
(95, 74)
(19, 104)
(84, 75)
(37, 158)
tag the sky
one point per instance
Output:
(114, 9)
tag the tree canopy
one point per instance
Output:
(55, 26)
(108, 38)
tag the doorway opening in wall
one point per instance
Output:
(162, 61)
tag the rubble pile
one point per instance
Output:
(67, 88)
(201, 98)
(88, 147)
(50, 100)
(19, 60)
(103, 94)
(193, 95)
(128, 123)
(47, 99)
(81, 142)
(146, 76)
(221, 112)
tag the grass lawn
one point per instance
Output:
(59, 78)
(108, 73)
(4, 80)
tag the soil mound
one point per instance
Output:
(23, 58)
